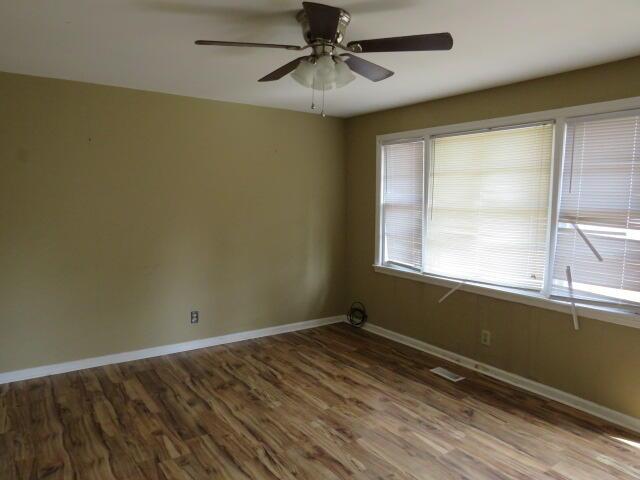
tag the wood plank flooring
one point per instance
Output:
(328, 403)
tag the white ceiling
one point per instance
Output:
(148, 44)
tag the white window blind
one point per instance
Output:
(600, 194)
(402, 202)
(489, 206)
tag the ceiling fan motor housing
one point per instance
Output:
(336, 39)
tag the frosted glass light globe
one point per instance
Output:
(323, 73)
(344, 75)
(304, 73)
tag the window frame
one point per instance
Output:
(559, 118)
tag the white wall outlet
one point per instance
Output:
(195, 317)
(485, 337)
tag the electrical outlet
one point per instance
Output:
(195, 317)
(485, 337)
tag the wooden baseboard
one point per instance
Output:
(74, 365)
(613, 416)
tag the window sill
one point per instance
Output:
(605, 314)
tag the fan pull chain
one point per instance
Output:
(313, 97)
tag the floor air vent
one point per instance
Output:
(444, 373)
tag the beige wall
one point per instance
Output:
(600, 362)
(121, 211)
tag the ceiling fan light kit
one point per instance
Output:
(323, 29)
(324, 73)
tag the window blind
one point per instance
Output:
(402, 202)
(600, 195)
(489, 206)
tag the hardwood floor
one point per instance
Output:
(328, 403)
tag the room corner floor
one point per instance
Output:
(327, 403)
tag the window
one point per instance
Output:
(489, 202)
(543, 206)
(402, 202)
(600, 200)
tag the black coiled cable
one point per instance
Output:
(357, 314)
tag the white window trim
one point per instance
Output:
(558, 116)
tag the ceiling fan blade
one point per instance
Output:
(323, 20)
(367, 69)
(282, 71)
(412, 43)
(248, 44)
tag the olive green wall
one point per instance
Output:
(121, 211)
(600, 362)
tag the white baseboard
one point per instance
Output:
(621, 419)
(626, 421)
(56, 368)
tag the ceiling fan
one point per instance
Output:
(324, 29)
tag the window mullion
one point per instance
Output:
(426, 183)
(557, 161)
